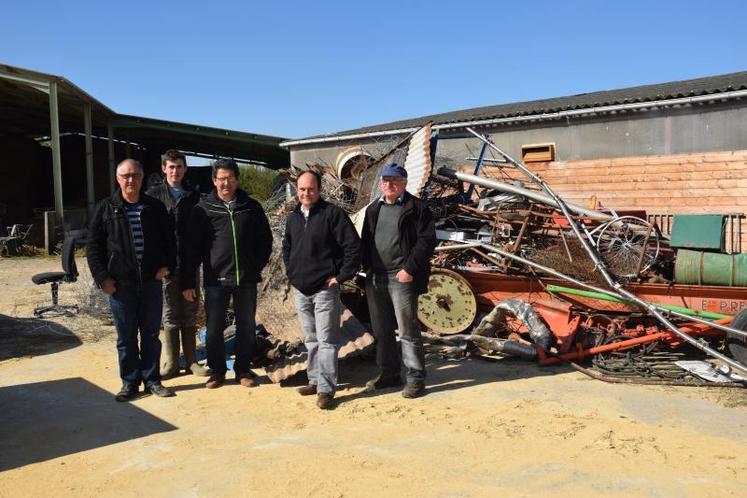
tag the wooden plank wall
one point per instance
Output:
(698, 183)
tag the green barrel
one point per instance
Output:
(709, 268)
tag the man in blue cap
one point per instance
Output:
(398, 239)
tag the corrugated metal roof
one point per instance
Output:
(644, 93)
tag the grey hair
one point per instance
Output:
(132, 161)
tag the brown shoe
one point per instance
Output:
(215, 381)
(307, 390)
(413, 390)
(247, 380)
(325, 401)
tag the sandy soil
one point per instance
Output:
(484, 429)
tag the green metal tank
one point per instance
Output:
(709, 268)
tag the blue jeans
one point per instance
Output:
(244, 307)
(137, 309)
(394, 305)
(319, 315)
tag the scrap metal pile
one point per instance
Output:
(521, 272)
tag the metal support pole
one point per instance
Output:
(112, 164)
(90, 194)
(56, 156)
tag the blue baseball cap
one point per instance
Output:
(393, 169)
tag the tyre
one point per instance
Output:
(738, 344)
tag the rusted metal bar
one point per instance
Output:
(643, 252)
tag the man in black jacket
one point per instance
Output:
(130, 249)
(179, 315)
(230, 236)
(398, 239)
(321, 251)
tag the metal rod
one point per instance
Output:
(513, 189)
(90, 193)
(56, 156)
(112, 161)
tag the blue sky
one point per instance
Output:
(295, 69)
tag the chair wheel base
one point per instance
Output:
(56, 310)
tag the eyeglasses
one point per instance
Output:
(225, 179)
(131, 176)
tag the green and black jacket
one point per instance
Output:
(233, 245)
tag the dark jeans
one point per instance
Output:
(137, 309)
(394, 305)
(244, 307)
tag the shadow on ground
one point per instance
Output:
(33, 337)
(45, 420)
(442, 375)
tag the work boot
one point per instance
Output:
(415, 390)
(160, 391)
(169, 353)
(247, 379)
(382, 382)
(189, 345)
(215, 381)
(325, 401)
(127, 393)
(307, 390)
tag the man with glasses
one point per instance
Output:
(179, 315)
(398, 239)
(130, 249)
(229, 235)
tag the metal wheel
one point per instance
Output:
(628, 245)
(738, 344)
(450, 305)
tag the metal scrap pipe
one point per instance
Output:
(513, 189)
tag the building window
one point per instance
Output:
(536, 153)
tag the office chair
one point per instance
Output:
(55, 278)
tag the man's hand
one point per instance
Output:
(189, 294)
(161, 273)
(109, 286)
(404, 277)
(331, 282)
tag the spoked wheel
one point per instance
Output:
(628, 245)
(738, 344)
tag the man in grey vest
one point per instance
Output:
(398, 239)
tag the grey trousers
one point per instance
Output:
(319, 315)
(394, 305)
(177, 311)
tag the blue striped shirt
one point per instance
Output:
(136, 227)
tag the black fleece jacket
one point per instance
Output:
(179, 210)
(111, 251)
(417, 238)
(322, 246)
(233, 245)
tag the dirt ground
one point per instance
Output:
(485, 429)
